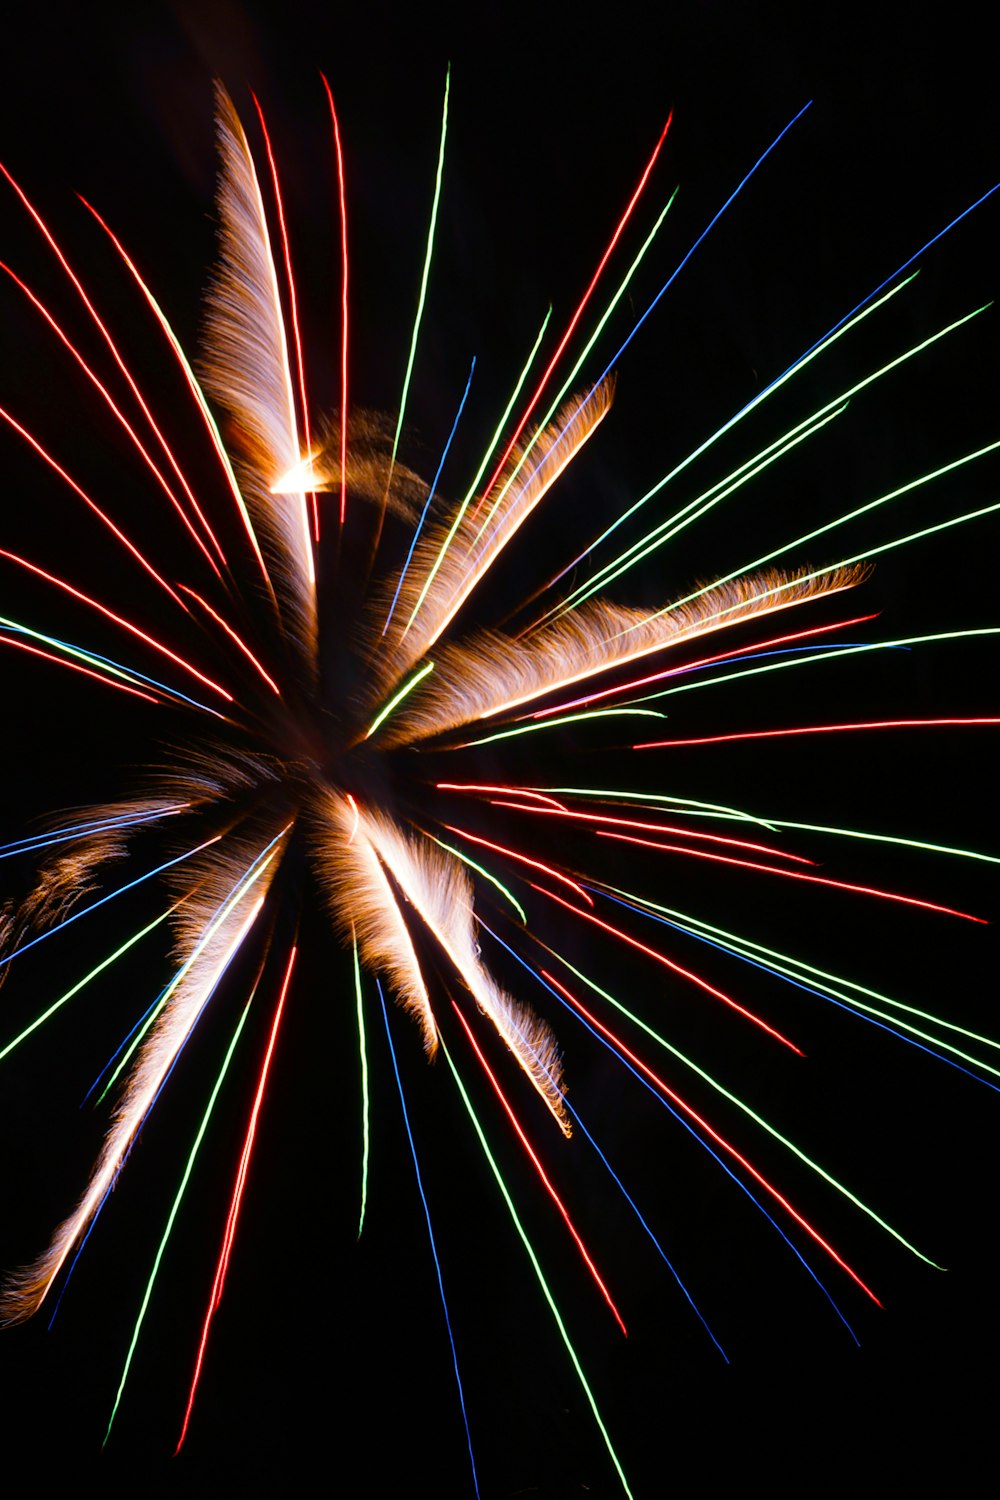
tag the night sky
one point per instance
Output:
(329, 1359)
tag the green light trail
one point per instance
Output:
(96, 662)
(785, 963)
(479, 871)
(423, 280)
(553, 408)
(538, 1270)
(701, 809)
(687, 806)
(173, 1212)
(852, 515)
(669, 528)
(57, 1004)
(545, 420)
(798, 661)
(397, 698)
(596, 713)
(244, 884)
(758, 1119)
(490, 450)
(887, 838)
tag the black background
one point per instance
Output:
(329, 1367)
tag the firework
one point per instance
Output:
(350, 716)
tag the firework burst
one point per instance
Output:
(355, 710)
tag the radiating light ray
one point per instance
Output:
(33, 1284)
(173, 1211)
(576, 1117)
(489, 676)
(247, 372)
(752, 1114)
(460, 514)
(430, 496)
(866, 305)
(397, 698)
(471, 576)
(110, 614)
(236, 639)
(537, 1270)
(365, 1103)
(724, 659)
(706, 661)
(840, 885)
(494, 544)
(596, 713)
(80, 830)
(691, 833)
(902, 1030)
(708, 1129)
(718, 492)
(129, 886)
(81, 983)
(485, 874)
(697, 808)
(622, 1058)
(469, 786)
(612, 363)
(430, 1235)
(237, 1198)
(626, 1195)
(772, 734)
(424, 277)
(366, 886)
(342, 196)
(546, 1180)
(86, 671)
(142, 560)
(794, 965)
(676, 968)
(204, 409)
(582, 304)
(112, 346)
(916, 256)
(147, 1015)
(659, 1248)
(223, 911)
(105, 665)
(888, 838)
(292, 299)
(113, 1183)
(907, 640)
(702, 504)
(657, 1094)
(392, 886)
(567, 383)
(522, 859)
(468, 564)
(118, 414)
(709, 442)
(851, 516)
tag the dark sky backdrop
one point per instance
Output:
(329, 1360)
